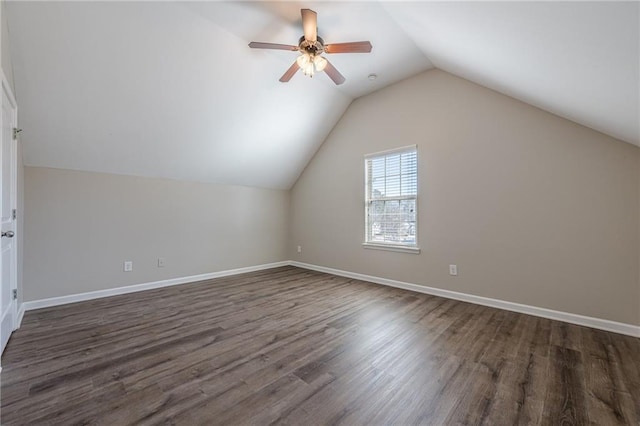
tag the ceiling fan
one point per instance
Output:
(311, 47)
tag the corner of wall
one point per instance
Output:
(495, 176)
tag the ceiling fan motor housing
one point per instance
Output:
(312, 48)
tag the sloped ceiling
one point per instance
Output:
(171, 89)
(579, 60)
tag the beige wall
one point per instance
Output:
(81, 227)
(532, 208)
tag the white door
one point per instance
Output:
(8, 252)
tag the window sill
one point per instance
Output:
(400, 249)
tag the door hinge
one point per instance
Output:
(15, 132)
(14, 214)
(14, 294)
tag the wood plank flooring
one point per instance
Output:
(296, 347)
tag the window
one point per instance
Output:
(391, 200)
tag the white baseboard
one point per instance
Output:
(602, 324)
(21, 310)
(80, 297)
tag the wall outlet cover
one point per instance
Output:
(453, 269)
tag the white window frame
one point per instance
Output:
(404, 248)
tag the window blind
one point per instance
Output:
(391, 197)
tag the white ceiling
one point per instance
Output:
(171, 89)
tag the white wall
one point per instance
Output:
(533, 208)
(81, 227)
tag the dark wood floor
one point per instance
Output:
(297, 347)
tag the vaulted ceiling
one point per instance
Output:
(171, 89)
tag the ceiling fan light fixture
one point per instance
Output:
(320, 63)
(311, 64)
(305, 62)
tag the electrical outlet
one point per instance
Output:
(299, 249)
(453, 269)
(128, 266)
(161, 261)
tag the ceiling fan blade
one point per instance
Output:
(290, 73)
(310, 24)
(353, 47)
(259, 45)
(334, 74)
